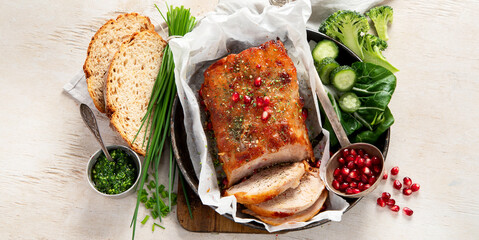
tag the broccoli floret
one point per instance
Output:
(347, 27)
(372, 48)
(381, 17)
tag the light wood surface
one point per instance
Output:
(44, 145)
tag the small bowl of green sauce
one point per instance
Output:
(114, 179)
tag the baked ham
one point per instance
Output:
(255, 110)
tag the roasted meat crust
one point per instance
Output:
(256, 122)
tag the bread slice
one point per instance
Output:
(267, 183)
(103, 46)
(298, 217)
(293, 200)
(131, 77)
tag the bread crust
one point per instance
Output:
(87, 66)
(112, 110)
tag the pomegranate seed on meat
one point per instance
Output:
(247, 99)
(235, 97)
(395, 170)
(257, 82)
(407, 181)
(265, 115)
(381, 202)
(266, 101)
(395, 208)
(415, 187)
(407, 211)
(397, 185)
(407, 191)
(304, 113)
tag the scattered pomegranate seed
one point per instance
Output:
(395, 208)
(235, 97)
(391, 202)
(407, 191)
(407, 181)
(337, 171)
(266, 101)
(415, 187)
(341, 161)
(345, 171)
(395, 170)
(381, 202)
(247, 99)
(385, 176)
(397, 185)
(265, 115)
(257, 82)
(304, 113)
(335, 184)
(407, 211)
(385, 196)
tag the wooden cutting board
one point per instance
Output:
(205, 219)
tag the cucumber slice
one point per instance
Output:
(324, 68)
(343, 78)
(325, 48)
(349, 102)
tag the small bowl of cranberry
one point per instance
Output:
(354, 171)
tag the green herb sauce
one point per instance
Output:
(114, 177)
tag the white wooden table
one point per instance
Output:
(44, 144)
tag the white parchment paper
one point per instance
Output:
(235, 26)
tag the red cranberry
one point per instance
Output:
(407, 191)
(345, 171)
(397, 185)
(257, 82)
(265, 115)
(391, 202)
(337, 171)
(247, 99)
(407, 211)
(385, 176)
(381, 202)
(407, 181)
(395, 208)
(385, 196)
(335, 184)
(415, 187)
(395, 170)
(235, 97)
